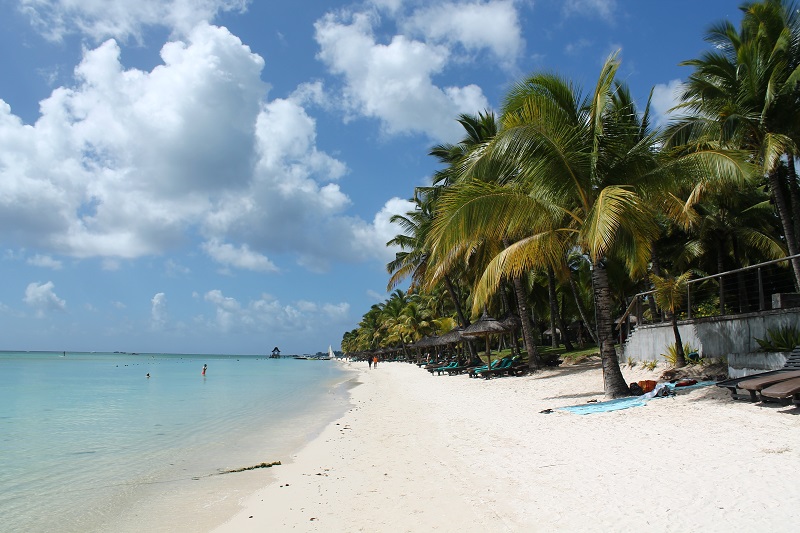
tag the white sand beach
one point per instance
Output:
(427, 453)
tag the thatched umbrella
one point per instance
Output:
(425, 342)
(484, 327)
(453, 336)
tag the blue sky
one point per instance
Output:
(217, 176)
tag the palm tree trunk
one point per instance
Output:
(680, 359)
(741, 285)
(656, 267)
(551, 290)
(527, 326)
(785, 216)
(512, 334)
(567, 344)
(461, 317)
(720, 269)
(582, 310)
(613, 381)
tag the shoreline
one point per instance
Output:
(212, 494)
(416, 452)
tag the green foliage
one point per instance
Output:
(650, 365)
(672, 353)
(631, 362)
(709, 308)
(781, 339)
(573, 357)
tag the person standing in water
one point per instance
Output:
(204, 369)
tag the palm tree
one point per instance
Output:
(669, 294)
(576, 166)
(413, 259)
(580, 173)
(575, 262)
(479, 130)
(744, 94)
(731, 228)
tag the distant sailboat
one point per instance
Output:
(320, 357)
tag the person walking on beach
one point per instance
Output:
(375, 362)
(369, 361)
(204, 369)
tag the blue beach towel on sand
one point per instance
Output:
(626, 403)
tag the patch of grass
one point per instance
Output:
(571, 357)
(650, 365)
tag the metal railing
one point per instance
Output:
(743, 290)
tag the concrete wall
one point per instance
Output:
(747, 364)
(713, 337)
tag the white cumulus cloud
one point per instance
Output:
(665, 97)
(476, 26)
(130, 163)
(393, 82)
(158, 310)
(43, 299)
(242, 257)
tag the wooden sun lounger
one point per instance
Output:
(785, 389)
(757, 384)
(792, 364)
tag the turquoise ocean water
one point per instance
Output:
(85, 436)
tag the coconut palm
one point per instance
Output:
(574, 164)
(744, 94)
(669, 295)
(476, 253)
(412, 260)
(581, 172)
(732, 230)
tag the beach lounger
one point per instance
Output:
(440, 367)
(518, 368)
(792, 364)
(783, 390)
(515, 367)
(474, 372)
(489, 372)
(456, 370)
(757, 384)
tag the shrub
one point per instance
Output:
(672, 353)
(781, 339)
